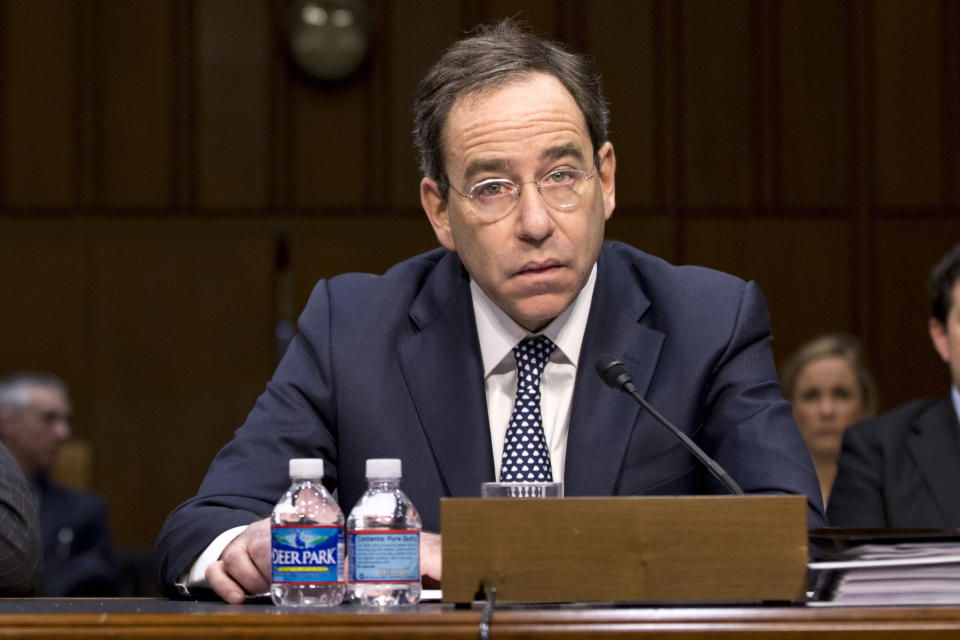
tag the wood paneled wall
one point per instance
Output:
(153, 153)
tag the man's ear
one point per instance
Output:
(938, 334)
(606, 172)
(436, 209)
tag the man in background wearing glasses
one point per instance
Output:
(421, 363)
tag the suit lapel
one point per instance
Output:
(934, 443)
(442, 366)
(601, 419)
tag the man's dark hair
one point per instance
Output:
(943, 278)
(489, 58)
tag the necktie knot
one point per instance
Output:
(532, 354)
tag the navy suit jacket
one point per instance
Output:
(390, 366)
(77, 549)
(900, 469)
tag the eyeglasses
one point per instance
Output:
(493, 198)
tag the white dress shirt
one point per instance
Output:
(498, 335)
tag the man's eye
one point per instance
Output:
(491, 189)
(560, 177)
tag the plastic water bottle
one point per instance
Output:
(306, 541)
(383, 541)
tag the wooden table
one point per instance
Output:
(157, 618)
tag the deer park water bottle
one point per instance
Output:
(383, 541)
(306, 538)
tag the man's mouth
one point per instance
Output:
(536, 268)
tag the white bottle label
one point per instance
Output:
(384, 555)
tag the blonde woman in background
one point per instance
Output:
(830, 388)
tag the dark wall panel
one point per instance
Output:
(234, 110)
(907, 365)
(950, 64)
(418, 32)
(330, 143)
(816, 104)
(909, 117)
(715, 105)
(546, 15)
(48, 304)
(324, 248)
(651, 233)
(40, 103)
(628, 68)
(136, 109)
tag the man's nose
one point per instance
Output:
(62, 428)
(534, 217)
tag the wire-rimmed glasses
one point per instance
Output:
(493, 198)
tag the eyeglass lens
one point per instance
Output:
(560, 189)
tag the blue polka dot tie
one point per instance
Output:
(526, 457)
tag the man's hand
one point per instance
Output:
(431, 559)
(244, 565)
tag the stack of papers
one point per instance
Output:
(906, 573)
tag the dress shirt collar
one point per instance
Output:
(499, 334)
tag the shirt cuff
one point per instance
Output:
(194, 576)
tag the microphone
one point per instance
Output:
(614, 373)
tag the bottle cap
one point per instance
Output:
(383, 468)
(306, 467)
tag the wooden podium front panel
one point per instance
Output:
(626, 549)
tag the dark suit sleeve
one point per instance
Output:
(290, 420)
(20, 550)
(78, 550)
(856, 499)
(748, 424)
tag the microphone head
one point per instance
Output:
(613, 372)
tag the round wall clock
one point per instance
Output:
(329, 38)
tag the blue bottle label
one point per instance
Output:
(379, 555)
(305, 553)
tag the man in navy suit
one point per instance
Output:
(901, 469)
(77, 550)
(418, 364)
